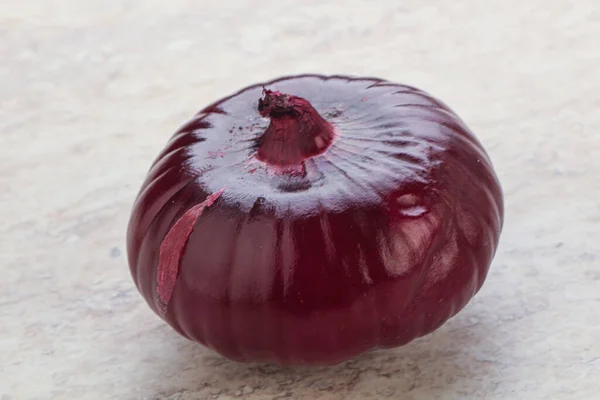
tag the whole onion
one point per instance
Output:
(311, 218)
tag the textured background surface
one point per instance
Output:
(91, 90)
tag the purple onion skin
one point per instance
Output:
(372, 243)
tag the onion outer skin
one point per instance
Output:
(387, 235)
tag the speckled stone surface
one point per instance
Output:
(91, 90)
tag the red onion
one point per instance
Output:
(310, 219)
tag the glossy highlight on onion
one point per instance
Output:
(312, 218)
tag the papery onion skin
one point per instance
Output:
(371, 243)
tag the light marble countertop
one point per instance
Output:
(91, 90)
